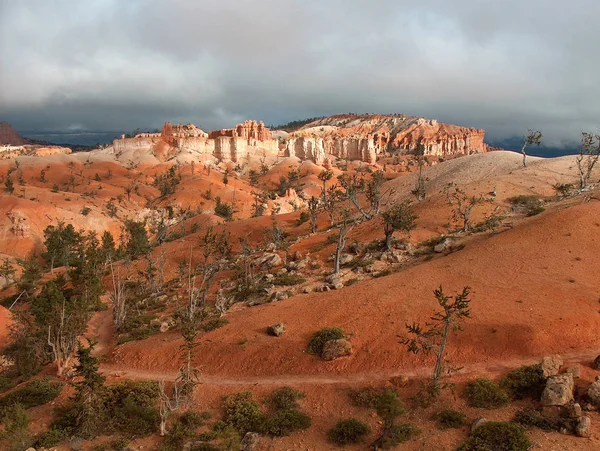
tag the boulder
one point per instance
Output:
(334, 349)
(345, 259)
(583, 427)
(276, 330)
(250, 441)
(477, 422)
(551, 365)
(593, 393)
(559, 390)
(270, 260)
(337, 284)
(572, 411)
(444, 246)
(596, 363)
(575, 371)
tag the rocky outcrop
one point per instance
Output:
(248, 130)
(7, 152)
(9, 136)
(363, 137)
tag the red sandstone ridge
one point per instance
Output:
(9, 136)
(249, 130)
(398, 132)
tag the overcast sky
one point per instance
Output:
(120, 64)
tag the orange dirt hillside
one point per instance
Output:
(532, 289)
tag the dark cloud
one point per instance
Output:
(110, 64)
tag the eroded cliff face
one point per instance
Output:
(249, 138)
(363, 137)
(350, 137)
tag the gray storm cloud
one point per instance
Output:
(116, 65)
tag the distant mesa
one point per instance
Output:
(346, 136)
(9, 136)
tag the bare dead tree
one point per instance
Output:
(353, 186)
(118, 297)
(346, 222)
(314, 206)
(167, 404)
(533, 137)
(62, 339)
(462, 205)
(589, 154)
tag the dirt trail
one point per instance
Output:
(466, 372)
(101, 329)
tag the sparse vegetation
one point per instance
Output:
(485, 394)
(450, 419)
(525, 382)
(318, 340)
(348, 432)
(497, 436)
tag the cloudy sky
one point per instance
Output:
(117, 65)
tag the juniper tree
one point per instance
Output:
(433, 338)
(325, 175)
(589, 154)
(533, 137)
(314, 205)
(462, 205)
(400, 217)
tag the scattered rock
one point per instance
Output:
(270, 260)
(307, 290)
(164, 327)
(559, 390)
(250, 441)
(552, 412)
(575, 371)
(572, 411)
(477, 422)
(345, 259)
(276, 330)
(279, 296)
(583, 427)
(337, 284)
(282, 272)
(594, 393)
(323, 288)
(269, 277)
(596, 363)
(334, 349)
(551, 365)
(30, 449)
(444, 246)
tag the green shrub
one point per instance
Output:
(497, 436)
(533, 418)
(34, 393)
(531, 205)
(5, 383)
(389, 405)
(349, 431)
(285, 398)
(204, 447)
(288, 280)
(450, 419)
(304, 216)
(395, 434)
(241, 412)
(213, 324)
(223, 209)
(524, 382)
(365, 397)
(50, 438)
(284, 422)
(318, 340)
(130, 407)
(183, 429)
(484, 393)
